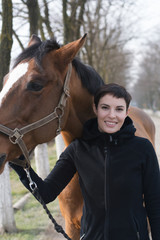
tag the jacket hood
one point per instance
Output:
(91, 131)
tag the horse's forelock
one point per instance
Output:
(37, 51)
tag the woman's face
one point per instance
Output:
(111, 113)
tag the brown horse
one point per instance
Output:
(40, 87)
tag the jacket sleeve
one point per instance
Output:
(152, 191)
(55, 182)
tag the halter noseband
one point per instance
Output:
(16, 135)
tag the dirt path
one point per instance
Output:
(50, 233)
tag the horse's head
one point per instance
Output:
(32, 90)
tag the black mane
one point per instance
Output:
(37, 51)
(89, 77)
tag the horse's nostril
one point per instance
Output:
(2, 158)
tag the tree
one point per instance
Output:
(7, 222)
(33, 14)
(105, 46)
(146, 91)
(41, 160)
(60, 146)
(73, 13)
(6, 39)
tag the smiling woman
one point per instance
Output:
(111, 107)
(111, 113)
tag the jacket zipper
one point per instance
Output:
(137, 229)
(82, 237)
(106, 190)
(105, 178)
(138, 236)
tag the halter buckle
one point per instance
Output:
(14, 138)
(67, 92)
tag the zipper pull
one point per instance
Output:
(110, 138)
(138, 236)
(105, 150)
(82, 236)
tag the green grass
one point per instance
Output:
(32, 220)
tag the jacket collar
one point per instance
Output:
(91, 131)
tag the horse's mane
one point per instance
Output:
(89, 77)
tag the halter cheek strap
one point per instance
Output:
(16, 135)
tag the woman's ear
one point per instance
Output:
(94, 109)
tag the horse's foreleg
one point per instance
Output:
(71, 204)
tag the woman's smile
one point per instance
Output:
(110, 124)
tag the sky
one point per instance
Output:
(151, 11)
(148, 25)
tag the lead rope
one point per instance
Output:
(36, 194)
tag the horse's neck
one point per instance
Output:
(80, 110)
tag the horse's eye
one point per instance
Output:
(34, 86)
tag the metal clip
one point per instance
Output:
(32, 184)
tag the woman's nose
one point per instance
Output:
(111, 113)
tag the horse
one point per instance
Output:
(48, 91)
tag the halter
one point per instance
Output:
(16, 135)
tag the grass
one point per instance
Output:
(32, 220)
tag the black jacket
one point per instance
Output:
(120, 182)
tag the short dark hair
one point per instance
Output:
(113, 89)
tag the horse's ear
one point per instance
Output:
(66, 53)
(34, 39)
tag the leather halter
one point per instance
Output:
(16, 135)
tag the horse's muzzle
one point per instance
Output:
(2, 158)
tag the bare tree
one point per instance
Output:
(6, 39)
(33, 14)
(73, 13)
(106, 40)
(147, 89)
(7, 221)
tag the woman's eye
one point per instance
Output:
(104, 107)
(34, 86)
(119, 109)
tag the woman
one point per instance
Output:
(118, 173)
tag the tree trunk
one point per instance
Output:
(6, 39)
(59, 145)
(7, 222)
(73, 12)
(41, 159)
(46, 19)
(33, 13)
